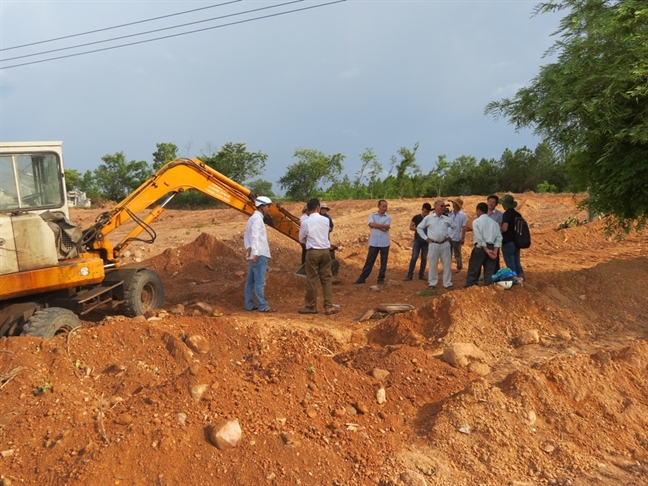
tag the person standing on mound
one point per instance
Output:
(257, 253)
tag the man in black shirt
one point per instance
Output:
(419, 245)
(509, 250)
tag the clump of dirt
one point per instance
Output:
(557, 394)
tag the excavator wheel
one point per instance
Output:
(145, 293)
(51, 321)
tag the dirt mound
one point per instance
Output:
(558, 394)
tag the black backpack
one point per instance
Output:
(521, 233)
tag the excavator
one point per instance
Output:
(52, 272)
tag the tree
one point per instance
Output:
(405, 169)
(592, 103)
(304, 179)
(234, 161)
(117, 178)
(371, 169)
(261, 187)
(165, 153)
(73, 179)
(436, 177)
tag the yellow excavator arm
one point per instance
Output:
(172, 179)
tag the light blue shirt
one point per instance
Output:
(460, 219)
(379, 237)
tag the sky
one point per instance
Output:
(337, 78)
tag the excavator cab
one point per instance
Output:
(31, 178)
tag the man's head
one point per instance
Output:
(382, 206)
(482, 208)
(262, 204)
(457, 204)
(324, 209)
(492, 202)
(425, 209)
(313, 205)
(439, 206)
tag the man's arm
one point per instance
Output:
(421, 229)
(255, 236)
(303, 232)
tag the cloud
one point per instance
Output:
(508, 90)
(350, 74)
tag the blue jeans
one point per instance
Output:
(422, 248)
(512, 258)
(255, 284)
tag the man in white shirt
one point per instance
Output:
(434, 229)
(457, 235)
(487, 239)
(257, 253)
(314, 235)
(379, 242)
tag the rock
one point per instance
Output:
(531, 336)
(90, 447)
(564, 334)
(381, 396)
(239, 273)
(460, 354)
(139, 319)
(350, 410)
(379, 374)
(202, 307)
(339, 412)
(198, 343)
(182, 418)
(361, 407)
(124, 419)
(7, 453)
(197, 391)
(177, 309)
(367, 315)
(481, 369)
(194, 369)
(375, 288)
(227, 436)
(413, 478)
(287, 440)
(115, 370)
(529, 417)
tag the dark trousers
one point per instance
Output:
(421, 248)
(479, 259)
(371, 260)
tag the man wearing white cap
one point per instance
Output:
(257, 253)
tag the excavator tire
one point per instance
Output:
(145, 293)
(51, 321)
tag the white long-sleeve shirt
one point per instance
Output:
(435, 227)
(314, 232)
(256, 237)
(486, 230)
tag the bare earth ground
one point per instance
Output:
(117, 408)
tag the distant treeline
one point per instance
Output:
(315, 174)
